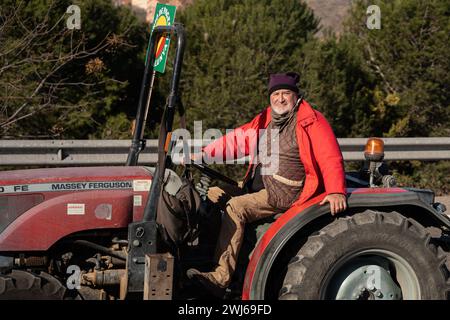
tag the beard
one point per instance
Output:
(282, 108)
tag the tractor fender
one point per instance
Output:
(297, 218)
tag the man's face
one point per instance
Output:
(283, 100)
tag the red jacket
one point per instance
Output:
(318, 148)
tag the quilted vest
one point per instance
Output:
(285, 184)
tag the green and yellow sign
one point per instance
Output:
(164, 16)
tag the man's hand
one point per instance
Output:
(338, 202)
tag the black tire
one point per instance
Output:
(314, 269)
(23, 285)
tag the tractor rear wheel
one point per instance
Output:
(23, 285)
(368, 256)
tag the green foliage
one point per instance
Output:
(388, 82)
(433, 175)
(391, 82)
(334, 78)
(117, 127)
(232, 48)
(410, 58)
(66, 83)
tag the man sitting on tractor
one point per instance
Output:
(309, 163)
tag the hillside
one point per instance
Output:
(331, 12)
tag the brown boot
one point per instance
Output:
(206, 280)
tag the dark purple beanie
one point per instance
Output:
(283, 81)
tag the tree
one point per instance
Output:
(61, 82)
(335, 80)
(232, 47)
(409, 56)
(389, 82)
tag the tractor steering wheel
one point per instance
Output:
(213, 174)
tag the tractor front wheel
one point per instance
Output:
(24, 285)
(368, 256)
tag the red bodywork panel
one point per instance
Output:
(74, 199)
(281, 222)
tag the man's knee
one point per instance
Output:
(236, 210)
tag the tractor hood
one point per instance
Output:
(73, 178)
(38, 207)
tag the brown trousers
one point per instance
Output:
(240, 209)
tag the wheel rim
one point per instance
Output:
(373, 274)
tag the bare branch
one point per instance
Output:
(31, 65)
(376, 66)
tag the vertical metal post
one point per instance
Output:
(138, 143)
(149, 97)
(166, 126)
(142, 235)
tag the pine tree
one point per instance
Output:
(409, 56)
(59, 82)
(233, 46)
(336, 81)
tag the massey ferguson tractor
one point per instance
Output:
(93, 232)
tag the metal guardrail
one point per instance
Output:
(114, 152)
(71, 152)
(400, 148)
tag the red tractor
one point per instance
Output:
(92, 232)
